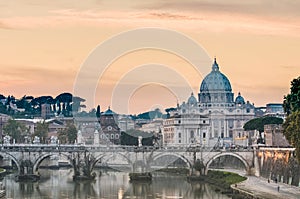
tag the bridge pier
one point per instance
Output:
(26, 172)
(140, 168)
(83, 166)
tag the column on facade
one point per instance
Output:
(213, 128)
(227, 128)
(220, 128)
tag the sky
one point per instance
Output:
(46, 44)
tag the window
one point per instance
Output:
(192, 134)
(117, 136)
(112, 136)
(179, 135)
(204, 134)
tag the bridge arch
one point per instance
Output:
(243, 160)
(182, 157)
(13, 158)
(40, 159)
(108, 156)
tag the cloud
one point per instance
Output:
(4, 26)
(261, 7)
(16, 73)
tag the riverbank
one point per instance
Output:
(260, 188)
(221, 180)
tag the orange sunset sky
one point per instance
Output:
(44, 43)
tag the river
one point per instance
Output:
(108, 185)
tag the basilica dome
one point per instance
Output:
(215, 81)
(215, 88)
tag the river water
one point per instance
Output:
(108, 185)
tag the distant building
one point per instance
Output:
(275, 109)
(46, 111)
(216, 115)
(110, 130)
(154, 126)
(274, 135)
(125, 123)
(271, 109)
(3, 120)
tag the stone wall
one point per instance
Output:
(280, 166)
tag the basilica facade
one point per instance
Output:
(216, 115)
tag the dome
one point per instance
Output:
(109, 112)
(239, 99)
(192, 100)
(215, 81)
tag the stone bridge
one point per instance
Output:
(83, 159)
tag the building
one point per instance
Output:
(275, 109)
(110, 131)
(3, 120)
(154, 126)
(214, 116)
(46, 111)
(274, 136)
(125, 123)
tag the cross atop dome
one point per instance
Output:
(215, 66)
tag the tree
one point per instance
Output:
(71, 133)
(37, 103)
(258, 123)
(291, 131)
(62, 136)
(41, 131)
(68, 135)
(16, 130)
(98, 112)
(291, 102)
(76, 105)
(291, 126)
(131, 138)
(64, 101)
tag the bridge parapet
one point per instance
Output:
(130, 155)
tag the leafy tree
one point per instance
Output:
(68, 135)
(64, 101)
(16, 130)
(291, 126)
(291, 102)
(42, 131)
(71, 133)
(76, 105)
(62, 136)
(131, 138)
(258, 123)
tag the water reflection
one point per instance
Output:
(108, 185)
